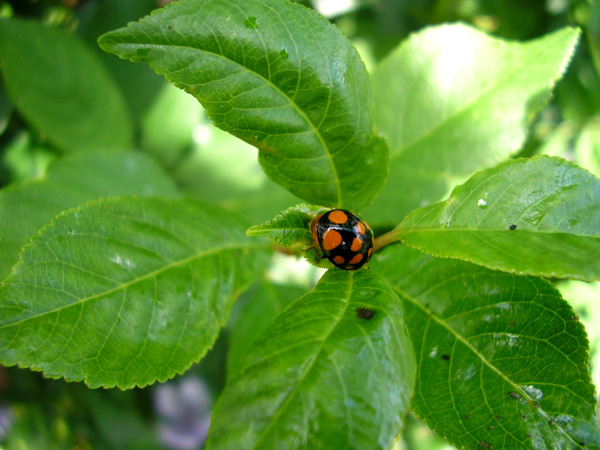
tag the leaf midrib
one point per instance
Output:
(404, 232)
(136, 280)
(432, 316)
(292, 394)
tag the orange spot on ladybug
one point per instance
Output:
(339, 260)
(356, 245)
(357, 258)
(337, 216)
(360, 228)
(369, 253)
(331, 239)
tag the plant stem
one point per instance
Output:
(386, 239)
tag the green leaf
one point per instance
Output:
(61, 88)
(289, 227)
(262, 306)
(138, 83)
(320, 376)
(451, 101)
(278, 76)
(538, 216)
(502, 359)
(26, 206)
(125, 292)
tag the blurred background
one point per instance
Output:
(36, 413)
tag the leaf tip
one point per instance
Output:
(254, 230)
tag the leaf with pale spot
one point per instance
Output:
(69, 182)
(127, 291)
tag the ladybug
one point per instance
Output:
(344, 238)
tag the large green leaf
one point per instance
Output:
(453, 100)
(58, 85)
(320, 376)
(26, 206)
(537, 216)
(502, 359)
(125, 291)
(278, 76)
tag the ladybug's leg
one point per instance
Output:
(317, 253)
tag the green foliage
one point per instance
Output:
(265, 303)
(126, 237)
(587, 150)
(42, 66)
(451, 101)
(96, 295)
(290, 227)
(502, 357)
(538, 216)
(324, 360)
(297, 90)
(27, 206)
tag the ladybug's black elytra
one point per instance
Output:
(344, 238)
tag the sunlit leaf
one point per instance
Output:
(125, 292)
(453, 100)
(167, 128)
(224, 169)
(587, 149)
(278, 76)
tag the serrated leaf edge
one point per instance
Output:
(84, 378)
(516, 387)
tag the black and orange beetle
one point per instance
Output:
(344, 238)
